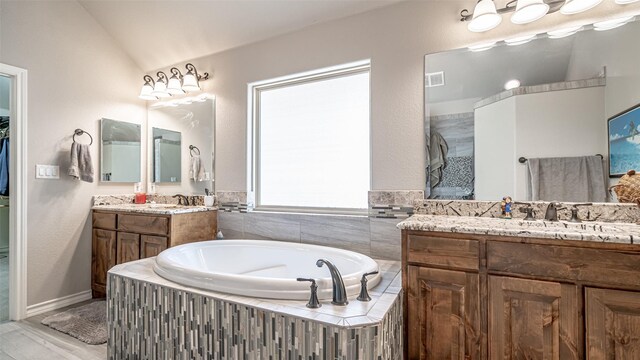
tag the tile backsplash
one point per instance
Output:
(605, 212)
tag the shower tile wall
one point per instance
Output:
(457, 177)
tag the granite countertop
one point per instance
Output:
(624, 233)
(356, 314)
(157, 209)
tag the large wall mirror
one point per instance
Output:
(541, 118)
(181, 145)
(120, 151)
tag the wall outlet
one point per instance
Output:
(47, 172)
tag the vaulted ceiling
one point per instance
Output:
(160, 33)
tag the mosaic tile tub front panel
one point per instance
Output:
(149, 321)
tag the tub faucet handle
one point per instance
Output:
(313, 303)
(364, 293)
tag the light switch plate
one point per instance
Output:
(47, 172)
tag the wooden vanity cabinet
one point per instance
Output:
(493, 297)
(119, 237)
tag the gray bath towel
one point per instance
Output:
(438, 157)
(81, 165)
(573, 179)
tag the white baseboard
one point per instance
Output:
(54, 304)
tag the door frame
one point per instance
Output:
(18, 193)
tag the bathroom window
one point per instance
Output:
(311, 147)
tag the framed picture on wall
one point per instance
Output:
(624, 142)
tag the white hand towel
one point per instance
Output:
(196, 171)
(81, 164)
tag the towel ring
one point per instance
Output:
(80, 132)
(192, 149)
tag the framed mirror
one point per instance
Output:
(181, 153)
(167, 155)
(120, 151)
(503, 119)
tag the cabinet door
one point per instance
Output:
(443, 314)
(103, 258)
(128, 247)
(613, 324)
(152, 245)
(533, 320)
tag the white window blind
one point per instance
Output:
(313, 142)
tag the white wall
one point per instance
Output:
(451, 107)
(550, 124)
(77, 75)
(619, 51)
(495, 150)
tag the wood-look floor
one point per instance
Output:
(30, 340)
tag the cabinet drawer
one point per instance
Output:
(564, 263)
(143, 224)
(104, 221)
(442, 251)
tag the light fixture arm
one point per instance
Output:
(192, 69)
(176, 73)
(162, 77)
(148, 80)
(554, 5)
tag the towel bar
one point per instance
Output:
(523, 159)
(80, 132)
(193, 148)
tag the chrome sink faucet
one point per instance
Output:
(182, 200)
(339, 291)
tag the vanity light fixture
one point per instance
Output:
(520, 40)
(191, 80)
(160, 88)
(175, 82)
(178, 84)
(612, 24)
(484, 18)
(529, 11)
(512, 84)
(561, 33)
(147, 89)
(482, 47)
(571, 7)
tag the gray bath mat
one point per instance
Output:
(87, 323)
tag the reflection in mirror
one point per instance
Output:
(120, 151)
(546, 101)
(166, 155)
(187, 145)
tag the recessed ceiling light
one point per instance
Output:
(612, 24)
(520, 40)
(482, 47)
(529, 11)
(558, 34)
(512, 84)
(485, 17)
